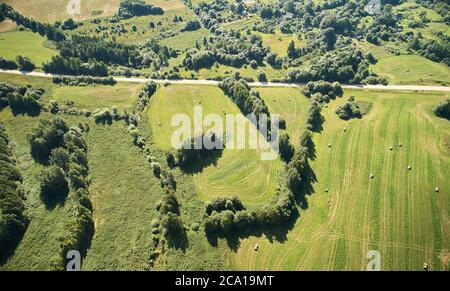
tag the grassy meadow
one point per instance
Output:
(27, 44)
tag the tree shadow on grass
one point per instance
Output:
(317, 127)
(306, 188)
(30, 112)
(8, 249)
(275, 233)
(57, 199)
(197, 166)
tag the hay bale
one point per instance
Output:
(409, 167)
(329, 145)
(326, 190)
(256, 247)
(391, 148)
(372, 176)
(400, 145)
(436, 189)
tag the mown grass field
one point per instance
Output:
(53, 10)
(291, 105)
(237, 172)
(27, 44)
(397, 213)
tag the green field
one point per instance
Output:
(27, 44)
(122, 95)
(406, 68)
(237, 172)
(291, 105)
(397, 213)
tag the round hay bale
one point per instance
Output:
(329, 145)
(436, 189)
(409, 167)
(372, 176)
(256, 247)
(391, 148)
(400, 145)
(326, 190)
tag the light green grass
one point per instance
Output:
(405, 68)
(124, 193)
(186, 39)
(397, 213)
(143, 31)
(237, 172)
(412, 69)
(122, 95)
(291, 105)
(27, 44)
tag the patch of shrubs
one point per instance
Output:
(443, 109)
(326, 90)
(20, 99)
(25, 64)
(47, 136)
(13, 220)
(349, 110)
(191, 25)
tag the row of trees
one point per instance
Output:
(74, 66)
(21, 63)
(13, 220)
(247, 100)
(64, 152)
(86, 48)
(83, 80)
(224, 216)
(48, 30)
(131, 8)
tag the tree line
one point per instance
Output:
(44, 29)
(63, 151)
(13, 220)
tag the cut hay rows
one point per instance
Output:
(237, 172)
(397, 213)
